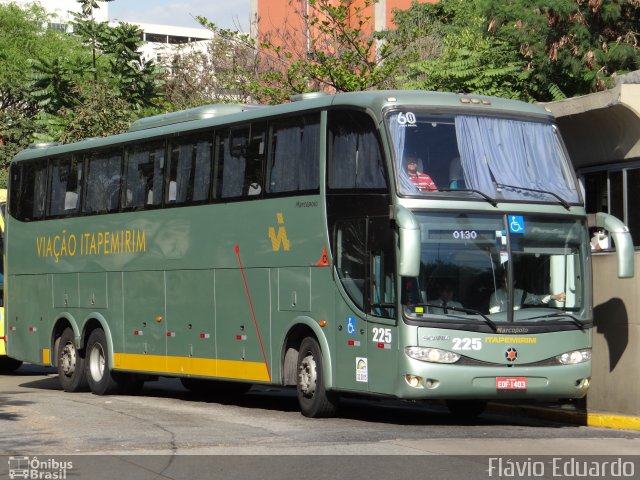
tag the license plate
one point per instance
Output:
(511, 383)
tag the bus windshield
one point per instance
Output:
(469, 262)
(499, 158)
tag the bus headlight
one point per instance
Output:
(433, 355)
(577, 356)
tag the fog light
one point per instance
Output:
(430, 383)
(583, 383)
(414, 381)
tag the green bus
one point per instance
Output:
(398, 244)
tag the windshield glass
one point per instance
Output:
(468, 262)
(502, 158)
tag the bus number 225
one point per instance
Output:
(382, 335)
(467, 344)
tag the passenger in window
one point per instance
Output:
(599, 241)
(422, 181)
(500, 298)
(456, 175)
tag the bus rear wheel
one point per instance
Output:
(314, 400)
(71, 363)
(101, 380)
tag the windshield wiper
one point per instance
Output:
(564, 203)
(445, 309)
(492, 201)
(576, 321)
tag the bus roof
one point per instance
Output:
(223, 114)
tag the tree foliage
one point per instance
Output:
(22, 39)
(110, 70)
(329, 45)
(534, 50)
(222, 73)
(571, 47)
(342, 52)
(456, 56)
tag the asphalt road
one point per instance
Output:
(185, 432)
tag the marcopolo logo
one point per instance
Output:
(38, 469)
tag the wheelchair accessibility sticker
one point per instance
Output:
(351, 325)
(516, 223)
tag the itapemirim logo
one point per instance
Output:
(33, 468)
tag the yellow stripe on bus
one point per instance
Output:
(46, 356)
(207, 367)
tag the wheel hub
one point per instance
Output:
(68, 359)
(97, 362)
(307, 375)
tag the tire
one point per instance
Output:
(314, 400)
(8, 364)
(466, 409)
(215, 388)
(71, 364)
(99, 376)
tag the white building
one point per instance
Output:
(161, 42)
(61, 11)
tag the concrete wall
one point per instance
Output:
(615, 383)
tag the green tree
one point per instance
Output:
(533, 50)
(111, 70)
(571, 47)
(23, 40)
(223, 73)
(340, 53)
(456, 56)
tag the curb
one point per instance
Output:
(573, 417)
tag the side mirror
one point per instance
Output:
(622, 238)
(410, 243)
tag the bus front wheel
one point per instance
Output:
(314, 400)
(101, 380)
(71, 363)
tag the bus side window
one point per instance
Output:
(232, 161)
(354, 152)
(295, 155)
(253, 176)
(144, 167)
(351, 257)
(29, 182)
(65, 187)
(189, 173)
(104, 174)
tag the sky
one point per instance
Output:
(224, 13)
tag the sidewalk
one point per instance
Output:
(568, 413)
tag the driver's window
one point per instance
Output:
(351, 253)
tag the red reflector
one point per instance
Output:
(351, 343)
(381, 345)
(204, 335)
(137, 332)
(171, 334)
(241, 337)
(32, 329)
